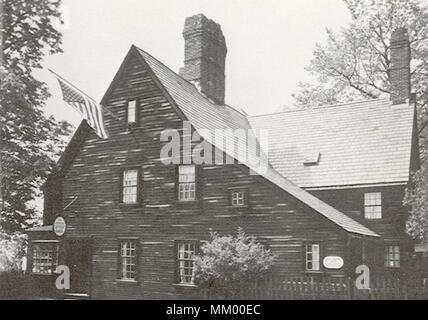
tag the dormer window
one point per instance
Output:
(312, 159)
(373, 205)
(132, 112)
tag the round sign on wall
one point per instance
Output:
(333, 262)
(59, 226)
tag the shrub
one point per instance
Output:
(226, 263)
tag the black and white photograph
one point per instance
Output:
(216, 152)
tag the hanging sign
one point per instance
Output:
(333, 262)
(59, 226)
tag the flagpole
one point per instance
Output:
(104, 108)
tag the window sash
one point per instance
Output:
(45, 258)
(185, 259)
(128, 255)
(373, 205)
(132, 111)
(392, 256)
(130, 186)
(187, 183)
(313, 257)
(238, 198)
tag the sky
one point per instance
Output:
(269, 42)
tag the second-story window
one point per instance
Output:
(132, 112)
(373, 205)
(187, 183)
(130, 186)
(238, 198)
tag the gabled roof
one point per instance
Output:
(362, 143)
(204, 114)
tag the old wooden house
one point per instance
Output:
(333, 185)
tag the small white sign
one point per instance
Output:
(59, 226)
(333, 262)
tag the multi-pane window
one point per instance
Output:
(373, 205)
(132, 111)
(186, 251)
(238, 198)
(187, 183)
(128, 259)
(45, 258)
(392, 256)
(313, 257)
(130, 186)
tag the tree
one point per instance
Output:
(11, 251)
(29, 141)
(354, 64)
(227, 262)
(417, 199)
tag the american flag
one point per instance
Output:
(86, 106)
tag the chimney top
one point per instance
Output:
(205, 56)
(399, 73)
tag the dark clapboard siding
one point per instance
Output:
(351, 202)
(94, 177)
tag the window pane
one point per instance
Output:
(132, 107)
(238, 198)
(186, 252)
(128, 256)
(130, 186)
(373, 205)
(392, 256)
(313, 257)
(187, 185)
(45, 258)
(186, 173)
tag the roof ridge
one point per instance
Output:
(323, 107)
(163, 64)
(243, 113)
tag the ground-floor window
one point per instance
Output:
(312, 257)
(392, 256)
(186, 251)
(128, 259)
(45, 257)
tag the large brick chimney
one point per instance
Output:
(399, 73)
(205, 57)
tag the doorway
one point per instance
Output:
(79, 261)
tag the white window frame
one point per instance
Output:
(45, 257)
(238, 198)
(130, 187)
(128, 263)
(186, 186)
(392, 256)
(373, 205)
(186, 251)
(312, 257)
(132, 111)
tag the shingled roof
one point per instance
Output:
(204, 114)
(360, 143)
